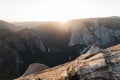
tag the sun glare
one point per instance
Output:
(55, 10)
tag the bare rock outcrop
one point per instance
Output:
(104, 65)
(35, 67)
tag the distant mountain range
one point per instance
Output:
(5, 26)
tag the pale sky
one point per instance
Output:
(60, 10)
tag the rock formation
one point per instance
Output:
(35, 67)
(105, 65)
(105, 31)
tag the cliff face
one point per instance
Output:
(10, 62)
(101, 65)
(102, 31)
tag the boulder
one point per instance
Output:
(34, 68)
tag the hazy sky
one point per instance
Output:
(60, 10)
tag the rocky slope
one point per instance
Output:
(99, 65)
